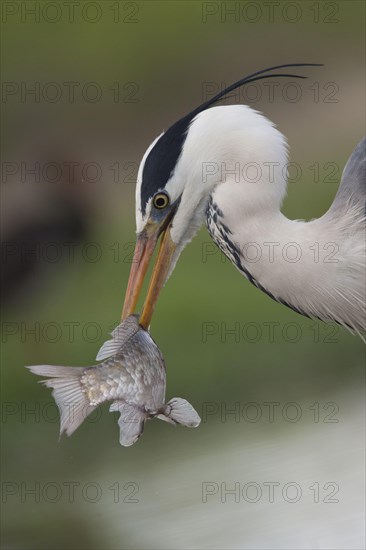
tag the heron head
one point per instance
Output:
(173, 189)
(178, 174)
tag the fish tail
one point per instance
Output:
(131, 422)
(179, 411)
(68, 393)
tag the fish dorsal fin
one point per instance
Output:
(108, 349)
(120, 335)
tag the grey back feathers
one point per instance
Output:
(352, 189)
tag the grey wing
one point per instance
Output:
(352, 189)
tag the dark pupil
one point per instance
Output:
(160, 201)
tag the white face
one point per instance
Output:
(183, 185)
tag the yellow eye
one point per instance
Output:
(161, 200)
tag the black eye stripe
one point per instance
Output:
(162, 160)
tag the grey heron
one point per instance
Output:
(322, 276)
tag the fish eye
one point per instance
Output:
(161, 200)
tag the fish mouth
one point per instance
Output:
(146, 243)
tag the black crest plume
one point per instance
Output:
(162, 159)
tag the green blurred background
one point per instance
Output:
(163, 55)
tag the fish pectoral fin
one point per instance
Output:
(180, 411)
(131, 422)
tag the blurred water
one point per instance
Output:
(210, 488)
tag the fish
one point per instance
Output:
(132, 374)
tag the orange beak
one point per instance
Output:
(144, 249)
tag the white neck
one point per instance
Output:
(314, 267)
